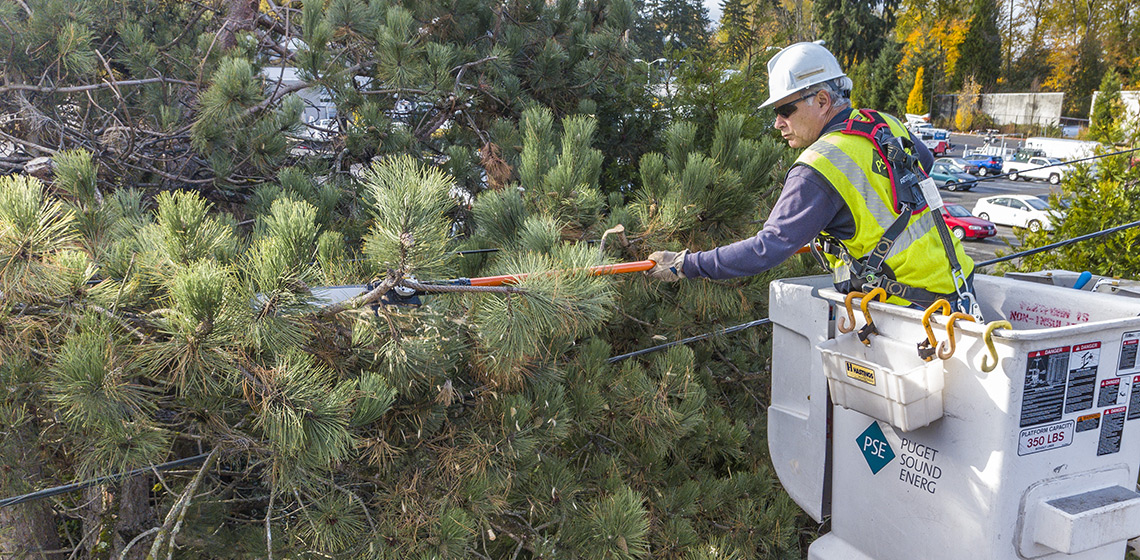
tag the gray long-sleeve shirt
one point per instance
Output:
(808, 205)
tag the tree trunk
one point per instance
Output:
(240, 15)
(30, 528)
(28, 531)
(115, 516)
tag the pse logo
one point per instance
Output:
(876, 450)
(879, 166)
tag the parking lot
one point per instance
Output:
(984, 250)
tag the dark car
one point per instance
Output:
(964, 225)
(949, 177)
(960, 165)
(987, 164)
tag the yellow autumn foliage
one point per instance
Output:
(915, 102)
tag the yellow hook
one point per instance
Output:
(989, 338)
(876, 293)
(942, 350)
(926, 347)
(870, 329)
(844, 328)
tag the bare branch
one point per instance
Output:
(77, 89)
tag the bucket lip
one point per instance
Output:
(978, 329)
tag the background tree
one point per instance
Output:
(968, 108)
(852, 31)
(915, 103)
(981, 52)
(1024, 30)
(1096, 202)
(735, 33)
(876, 83)
(1107, 112)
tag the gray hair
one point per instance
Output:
(838, 89)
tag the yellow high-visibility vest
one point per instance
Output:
(853, 165)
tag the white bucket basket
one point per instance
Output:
(885, 380)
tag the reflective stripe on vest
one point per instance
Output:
(917, 257)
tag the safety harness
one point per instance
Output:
(907, 180)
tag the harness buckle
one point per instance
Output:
(967, 303)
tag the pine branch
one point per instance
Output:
(364, 299)
(92, 87)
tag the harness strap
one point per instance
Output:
(902, 167)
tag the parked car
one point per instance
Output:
(1036, 167)
(965, 225)
(960, 164)
(987, 164)
(948, 177)
(1018, 210)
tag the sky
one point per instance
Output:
(713, 6)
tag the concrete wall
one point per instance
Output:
(1010, 108)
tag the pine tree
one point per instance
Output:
(684, 24)
(735, 29)
(1106, 117)
(399, 432)
(981, 49)
(161, 289)
(852, 31)
(1086, 75)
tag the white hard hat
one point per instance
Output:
(798, 67)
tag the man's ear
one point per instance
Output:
(824, 100)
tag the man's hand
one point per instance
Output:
(668, 267)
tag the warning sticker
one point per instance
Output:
(1129, 344)
(1134, 399)
(1083, 364)
(861, 373)
(1109, 392)
(1044, 393)
(1088, 422)
(1110, 431)
(1044, 438)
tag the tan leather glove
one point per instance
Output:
(668, 267)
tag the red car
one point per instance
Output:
(964, 225)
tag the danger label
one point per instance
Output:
(861, 373)
(1129, 344)
(1109, 392)
(1111, 430)
(1043, 397)
(1134, 399)
(1083, 364)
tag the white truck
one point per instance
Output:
(1065, 149)
(1029, 164)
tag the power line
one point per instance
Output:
(1090, 158)
(691, 339)
(49, 492)
(1070, 241)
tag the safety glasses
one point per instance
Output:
(788, 109)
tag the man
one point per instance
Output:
(845, 188)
